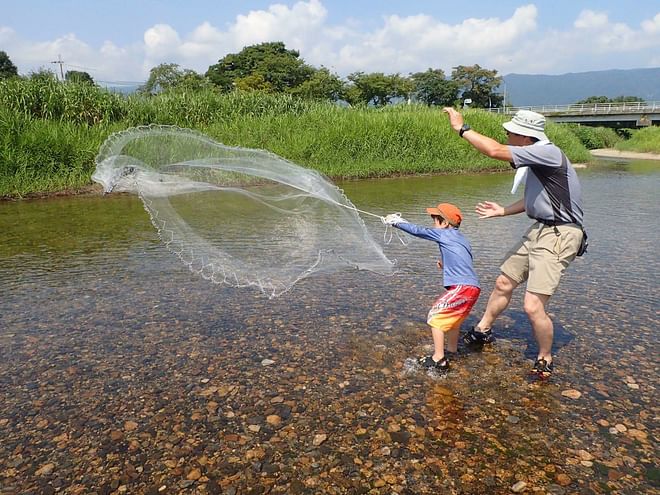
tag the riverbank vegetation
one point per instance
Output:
(51, 131)
(595, 137)
(645, 140)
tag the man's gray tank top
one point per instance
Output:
(553, 194)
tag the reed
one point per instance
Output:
(39, 156)
(595, 137)
(50, 132)
(645, 140)
(46, 98)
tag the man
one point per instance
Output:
(553, 200)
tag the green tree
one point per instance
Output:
(433, 88)
(376, 88)
(605, 99)
(193, 81)
(626, 99)
(253, 82)
(478, 84)
(594, 99)
(7, 67)
(323, 85)
(43, 75)
(282, 69)
(402, 86)
(164, 77)
(78, 77)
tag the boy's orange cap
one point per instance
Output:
(449, 212)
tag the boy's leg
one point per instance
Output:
(452, 340)
(438, 344)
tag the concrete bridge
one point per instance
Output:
(628, 114)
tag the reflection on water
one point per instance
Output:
(96, 315)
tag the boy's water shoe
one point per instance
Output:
(542, 368)
(441, 366)
(476, 338)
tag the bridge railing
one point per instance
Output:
(586, 108)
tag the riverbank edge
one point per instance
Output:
(625, 155)
(94, 189)
(97, 189)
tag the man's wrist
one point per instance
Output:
(464, 128)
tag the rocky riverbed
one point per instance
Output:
(275, 405)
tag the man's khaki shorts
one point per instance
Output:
(542, 256)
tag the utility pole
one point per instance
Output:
(61, 63)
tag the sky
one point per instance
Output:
(121, 40)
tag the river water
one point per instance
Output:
(120, 371)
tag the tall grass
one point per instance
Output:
(46, 98)
(595, 137)
(50, 132)
(38, 156)
(645, 140)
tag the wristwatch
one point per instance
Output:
(464, 128)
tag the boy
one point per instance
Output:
(459, 278)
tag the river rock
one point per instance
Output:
(572, 393)
(45, 470)
(519, 487)
(319, 439)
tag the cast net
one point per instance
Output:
(238, 216)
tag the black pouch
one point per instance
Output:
(584, 244)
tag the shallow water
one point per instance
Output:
(122, 372)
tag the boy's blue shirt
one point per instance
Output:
(455, 249)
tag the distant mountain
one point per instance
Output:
(532, 89)
(125, 89)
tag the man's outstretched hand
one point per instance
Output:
(489, 209)
(455, 118)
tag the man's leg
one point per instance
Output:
(497, 301)
(534, 305)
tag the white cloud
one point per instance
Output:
(588, 19)
(160, 40)
(6, 34)
(295, 25)
(398, 43)
(413, 43)
(652, 26)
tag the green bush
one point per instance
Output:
(645, 140)
(595, 137)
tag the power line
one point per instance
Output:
(61, 63)
(83, 68)
(122, 83)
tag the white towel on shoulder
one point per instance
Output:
(521, 175)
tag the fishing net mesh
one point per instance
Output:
(237, 216)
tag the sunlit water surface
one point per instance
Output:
(93, 268)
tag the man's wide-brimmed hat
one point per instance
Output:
(449, 212)
(527, 123)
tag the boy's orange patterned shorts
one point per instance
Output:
(450, 309)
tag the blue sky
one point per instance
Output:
(120, 40)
